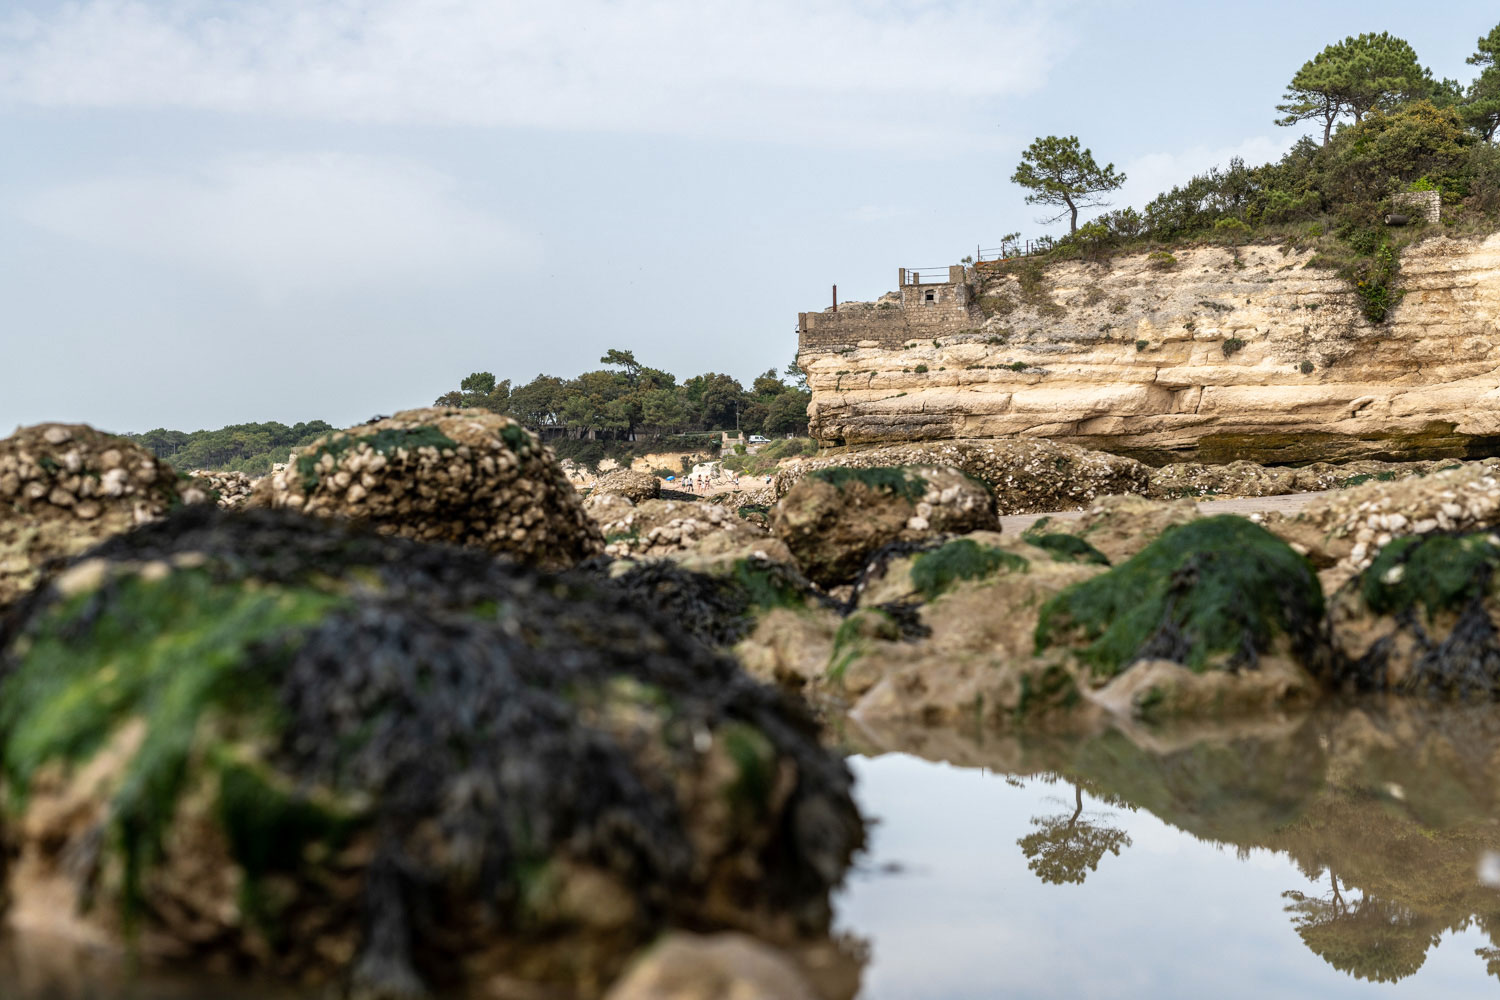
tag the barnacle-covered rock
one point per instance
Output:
(63, 487)
(227, 488)
(705, 534)
(1026, 475)
(835, 517)
(462, 476)
(1344, 532)
(633, 486)
(272, 741)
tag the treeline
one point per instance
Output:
(1388, 127)
(628, 401)
(249, 448)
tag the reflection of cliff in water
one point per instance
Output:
(1390, 807)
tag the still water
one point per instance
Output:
(1331, 856)
(1350, 853)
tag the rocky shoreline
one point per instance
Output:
(411, 714)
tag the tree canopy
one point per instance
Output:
(1060, 173)
(1482, 100)
(1354, 77)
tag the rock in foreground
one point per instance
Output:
(461, 476)
(63, 488)
(271, 741)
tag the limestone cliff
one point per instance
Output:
(1227, 353)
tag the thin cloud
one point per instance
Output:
(783, 70)
(287, 225)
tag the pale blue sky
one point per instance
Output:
(213, 211)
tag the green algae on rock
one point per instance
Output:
(460, 765)
(1216, 592)
(935, 570)
(1421, 619)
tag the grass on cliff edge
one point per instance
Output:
(1216, 592)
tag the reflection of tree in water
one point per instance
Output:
(1366, 937)
(1065, 848)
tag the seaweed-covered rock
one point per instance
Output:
(1422, 619)
(1218, 593)
(1118, 527)
(1343, 532)
(942, 634)
(679, 529)
(271, 740)
(1026, 475)
(835, 517)
(462, 476)
(227, 488)
(633, 486)
(63, 487)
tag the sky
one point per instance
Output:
(218, 211)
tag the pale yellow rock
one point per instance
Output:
(1422, 384)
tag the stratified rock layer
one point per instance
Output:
(1233, 353)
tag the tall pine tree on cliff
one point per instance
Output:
(1059, 173)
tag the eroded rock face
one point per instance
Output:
(340, 756)
(462, 476)
(835, 517)
(633, 486)
(64, 487)
(1233, 353)
(1025, 476)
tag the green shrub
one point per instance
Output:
(1305, 367)
(920, 369)
(1232, 346)
(1018, 366)
(1161, 260)
(1141, 345)
(1216, 592)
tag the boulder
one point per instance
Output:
(1422, 619)
(64, 487)
(227, 488)
(463, 476)
(1215, 594)
(1344, 532)
(633, 486)
(1026, 475)
(1117, 527)
(276, 742)
(834, 518)
(712, 967)
(705, 533)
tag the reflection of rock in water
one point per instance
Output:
(1065, 848)
(367, 753)
(1391, 806)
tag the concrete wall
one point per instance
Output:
(925, 311)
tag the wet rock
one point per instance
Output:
(274, 741)
(1118, 527)
(1026, 475)
(1246, 479)
(226, 488)
(461, 476)
(708, 534)
(1422, 619)
(1344, 532)
(1215, 594)
(712, 967)
(633, 486)
(835, 517)
(64, 487)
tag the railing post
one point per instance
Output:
(900, 281)
(835, 298)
